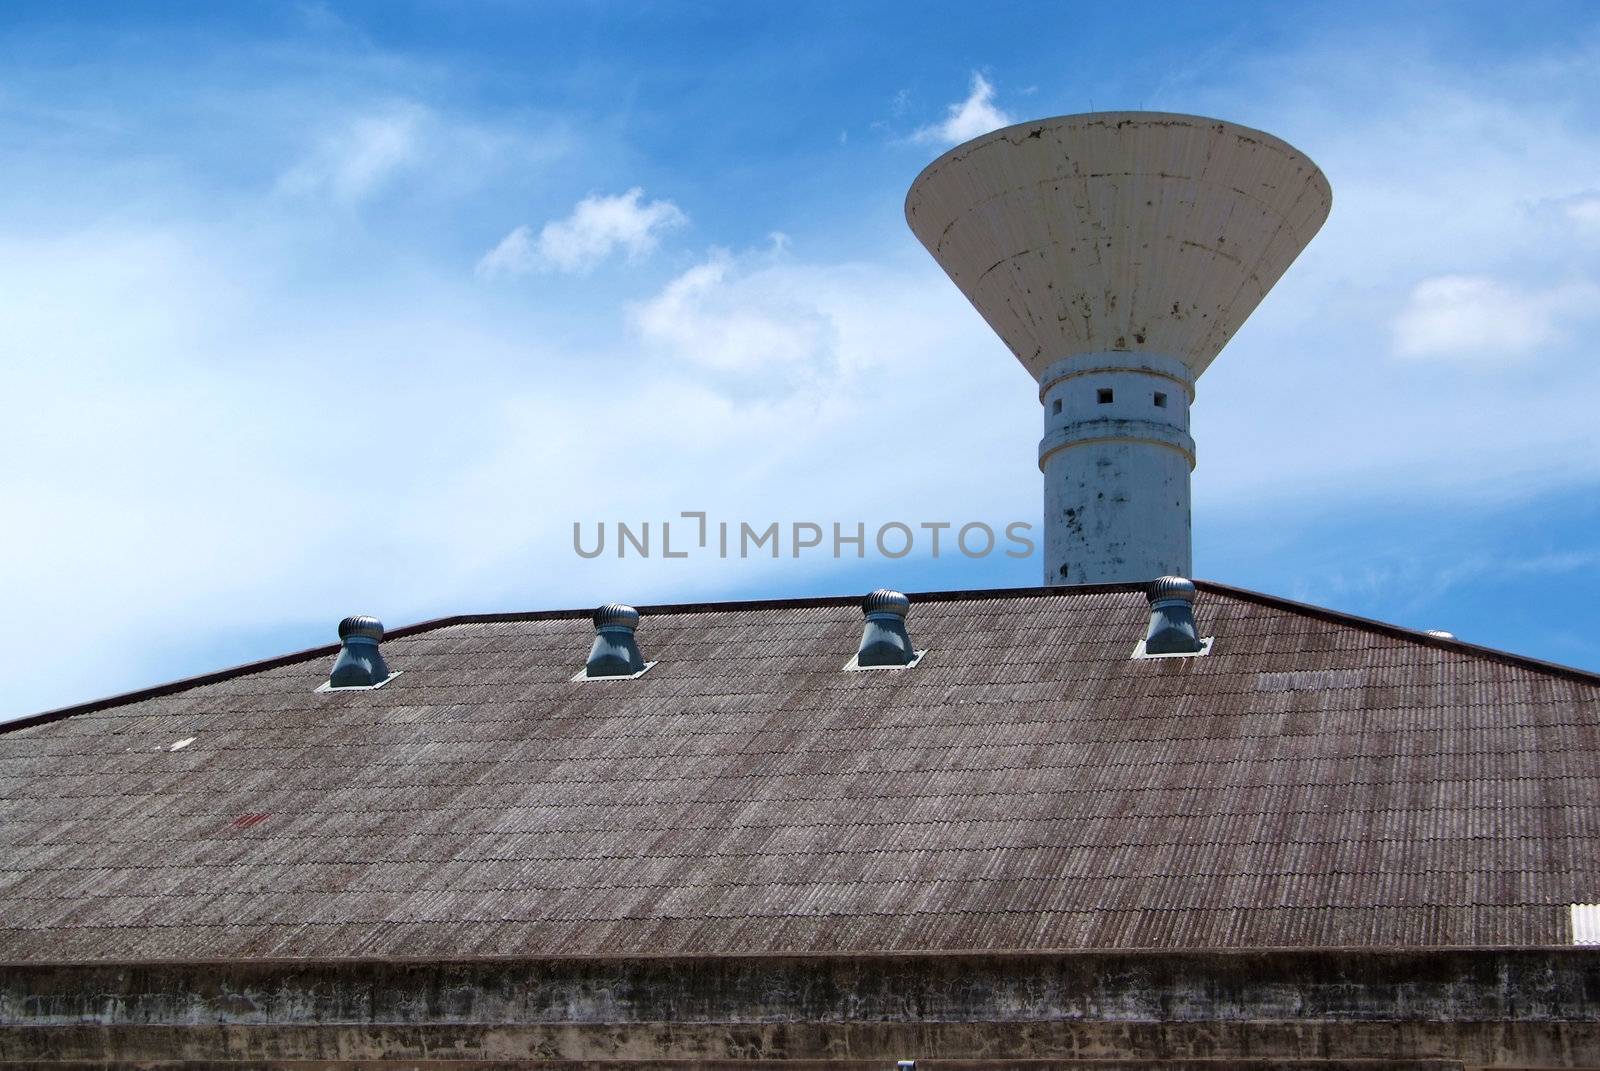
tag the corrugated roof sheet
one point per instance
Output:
(1316, 781)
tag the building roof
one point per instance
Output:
(1316, 781)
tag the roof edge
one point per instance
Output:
(1400, 632)
(910, 955)
(156, 691)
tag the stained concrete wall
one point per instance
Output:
(1529, 1009)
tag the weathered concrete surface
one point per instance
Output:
(1116, 457)
(880, 1044)
(1480, 1008)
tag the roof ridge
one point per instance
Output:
(1384, 628)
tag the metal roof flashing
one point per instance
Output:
(1205, 649)
(584, 675)
(329, 686)
(855, 666)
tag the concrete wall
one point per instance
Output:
(1530, 1009)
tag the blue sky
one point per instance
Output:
(320, 308)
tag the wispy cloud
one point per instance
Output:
(515, 254)
(389, 147)
(1482, 319)
(597, 227)
(968, 118)
(739, 316)
(358, 158)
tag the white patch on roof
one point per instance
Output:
(181, 744)
(1586, 924)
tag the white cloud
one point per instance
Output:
(355, 160)
(596, 227)
(968, 118)
(600, 225)
(515, 255)
(1479, 318)
(724, 317)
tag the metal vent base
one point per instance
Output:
(583, 675)
(852, 667)
(327, 686)
(1205, 649)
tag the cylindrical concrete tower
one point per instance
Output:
(1116, 253)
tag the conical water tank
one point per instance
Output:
(1116, 253)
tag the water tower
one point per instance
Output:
(1116, 253)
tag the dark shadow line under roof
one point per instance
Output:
(1202, 954)
(1243, 594)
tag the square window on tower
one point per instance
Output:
(1105, 395)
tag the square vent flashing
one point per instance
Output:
(855, 666)
(329, 686)
(585, 675)
(1205, 649)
